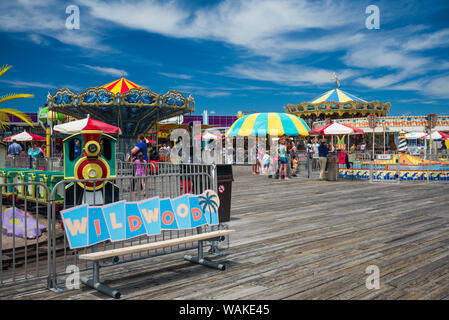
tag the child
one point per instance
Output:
(295, 165)
(266, 162)
(140, 170)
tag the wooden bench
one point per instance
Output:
(98, 256)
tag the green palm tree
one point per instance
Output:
(5, 113)
(208, 202)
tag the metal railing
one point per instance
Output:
(23, 257)
(171, 181)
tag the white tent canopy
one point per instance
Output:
(415, 135)
(436, 135)
(77, 126)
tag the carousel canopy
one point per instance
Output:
(337, 104)
(121, 86)
(274, 124)
(336, 95)
(23, 137)
(122, 103)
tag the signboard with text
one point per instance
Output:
(87, 225)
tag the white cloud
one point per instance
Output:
(433, 40)
(287, 74)
(437, 87)
(34, 84)
(27, 84)
(252, 24)
(109, 71)
(175, 75)
(47, 18)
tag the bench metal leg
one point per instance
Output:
(95, 283)
(200, 259)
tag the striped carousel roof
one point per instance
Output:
(336, 95)
(121, 86)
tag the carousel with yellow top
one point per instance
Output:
(337, 104)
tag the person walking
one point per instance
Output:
(283, 160)
(323, 151)
(141, 171)
(315, 147)
(14, 148)
(141, 146)
(33, 153)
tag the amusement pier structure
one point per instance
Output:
(124, 104)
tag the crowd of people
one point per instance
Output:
(284, 162)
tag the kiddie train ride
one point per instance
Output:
(89, 162)
(88, 169)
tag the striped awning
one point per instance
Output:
(336, 95)
(121, 86)
(274, 124)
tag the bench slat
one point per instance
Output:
(152, 246)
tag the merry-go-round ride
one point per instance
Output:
(336, 104)
(122, 103)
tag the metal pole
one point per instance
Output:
(308, 165)
(398, 170)
(430, 158)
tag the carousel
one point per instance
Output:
(124, 104)
(337, 104)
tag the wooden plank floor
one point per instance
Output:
(301, 239)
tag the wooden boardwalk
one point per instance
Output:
(301, 239)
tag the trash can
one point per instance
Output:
(331, 167)
(224, 191)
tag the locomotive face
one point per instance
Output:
(88, 159)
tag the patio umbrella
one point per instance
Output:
(24, 137)
(274, 124)
(208, 136)
(88, 123)
(437, 135)
(335, 129)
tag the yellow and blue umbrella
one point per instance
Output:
(336, 95)
(274, 124)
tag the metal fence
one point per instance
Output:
(40, 163)
(49, 255)
(380, 167)
(23, 258)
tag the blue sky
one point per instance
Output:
(250, 55)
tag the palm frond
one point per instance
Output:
(12, 96)
(16, 113)
(4, 68)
